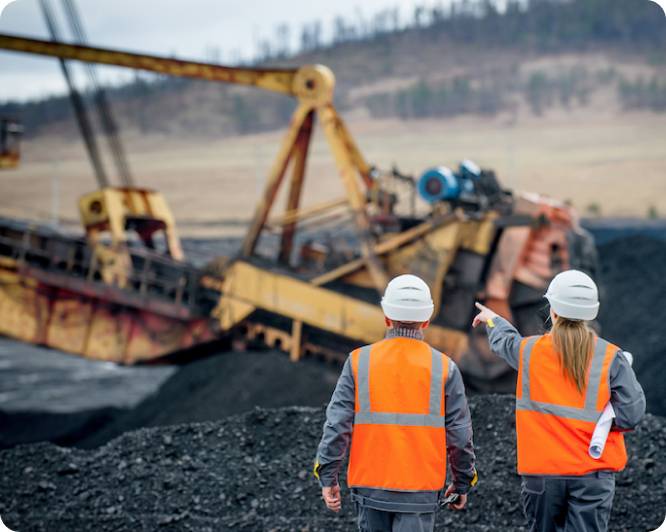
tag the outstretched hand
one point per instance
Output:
(331, 496)
(484, 315)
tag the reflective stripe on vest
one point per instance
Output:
(365, 417)
(589, 412)
(554, 432)
(399, 437)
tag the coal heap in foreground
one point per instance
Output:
(252, 472)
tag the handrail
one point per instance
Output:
(148, 274)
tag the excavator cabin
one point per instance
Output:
(10, 143)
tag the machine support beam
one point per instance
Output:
(274, 180)
(80, 112)
(101, 102)
(296, 340)
(338, 140)
(300, 215)
(357, 158)
(298, 172)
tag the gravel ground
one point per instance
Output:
(252, 472)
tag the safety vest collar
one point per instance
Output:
(401, 332)
(589, 411)
(364, 415)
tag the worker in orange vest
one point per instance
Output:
(565, 380)
(400, 405)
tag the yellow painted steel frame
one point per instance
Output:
(275, 79)
(254, 286)
(91, 327)
(428, 250)
(311, 85)
(9, 161)
(314, 88)
(246, 287)
(110, 208)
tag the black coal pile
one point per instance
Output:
(252, 472)
(632, 311)
(222, 385)
(62, 428)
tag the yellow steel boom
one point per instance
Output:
(278, 80)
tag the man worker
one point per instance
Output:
(401, 407)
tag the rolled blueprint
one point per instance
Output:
(600, 434)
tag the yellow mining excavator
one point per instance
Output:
(313, 284)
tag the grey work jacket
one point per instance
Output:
(338, 432)
(627, 396)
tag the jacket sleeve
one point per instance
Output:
(459, 444)
(504, 341)
(337, 429)
(627, 395)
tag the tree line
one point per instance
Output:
(542, 25)
(528, 26)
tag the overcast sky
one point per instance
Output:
(185, 28)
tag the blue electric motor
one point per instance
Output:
(442, 184)
(437, 184)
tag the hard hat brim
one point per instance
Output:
(573, 312)
(413, 314)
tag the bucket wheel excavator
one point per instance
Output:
(306, 280)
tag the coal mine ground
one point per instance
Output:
(226, 442)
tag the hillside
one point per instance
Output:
(551, 54)
(569, 106)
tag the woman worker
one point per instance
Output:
(565, 379)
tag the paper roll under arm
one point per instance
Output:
(601, 431)
(600, 434)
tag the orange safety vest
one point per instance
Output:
(399, 439)
(554, 421)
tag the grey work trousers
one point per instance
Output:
(568, 504)
(371, 520)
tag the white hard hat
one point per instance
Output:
(573, 295)
(407, 298)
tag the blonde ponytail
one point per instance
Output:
(573, 340)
